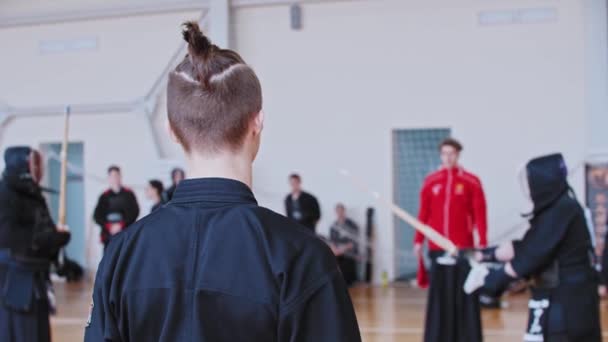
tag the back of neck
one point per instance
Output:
(220, 166)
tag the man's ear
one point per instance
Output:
(171, 132)
(258, 123)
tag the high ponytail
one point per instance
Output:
(199, 50)
(198, 44)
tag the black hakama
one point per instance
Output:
(451, 315)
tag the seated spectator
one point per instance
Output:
(344, 242)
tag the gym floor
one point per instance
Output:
(392, 314)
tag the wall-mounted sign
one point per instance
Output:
(67, 45)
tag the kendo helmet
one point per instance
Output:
(545, 180)
(23, 166)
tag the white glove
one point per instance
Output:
(476, 278)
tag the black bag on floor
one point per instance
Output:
(70, 270)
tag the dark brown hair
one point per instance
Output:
(113, 168)
(157, 186)
(451, 142)
(295, 176)
(212, 95)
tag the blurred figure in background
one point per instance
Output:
(116, 208)
(302, 206)
(452, 202)
(154, 192)
(344, 242)
(29, 243)
(177, 175)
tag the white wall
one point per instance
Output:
(596, 52)
(335, 90)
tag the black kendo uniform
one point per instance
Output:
(556, 253)
(341, 234)
(115, 207)
(304, 210)
(214, 266)
(29, 242)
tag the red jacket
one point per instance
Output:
(453, 203)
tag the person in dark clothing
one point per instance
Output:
(177, 175)
(116, 208)
(212, 265)
(603, 274)
(557, 254)
(302, 206)
(344, 239)
(29, 243)
(154, 192)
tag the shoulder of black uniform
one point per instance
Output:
(127, 190)
(291, 232)
(308, 195)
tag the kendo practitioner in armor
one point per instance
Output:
(556, 254)
(116, 208)
(29, 244)
(212, 265)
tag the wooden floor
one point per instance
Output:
(392, 314)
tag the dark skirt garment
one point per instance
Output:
(348, 267)
(24, 306)
(30, 326)
(573, 314)
(451, 315)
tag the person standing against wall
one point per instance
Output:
(177, 175)
(302, 206)
(116, 208)
(452, 202)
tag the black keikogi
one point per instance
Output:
(212, 265)
(29, 243)
(556, 254)
(115, 208)
(304, 209)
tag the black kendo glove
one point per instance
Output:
(496, 282)
(488, 254)
(48, 243)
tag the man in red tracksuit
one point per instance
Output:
(453, 203)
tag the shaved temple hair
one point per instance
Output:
(212, 96)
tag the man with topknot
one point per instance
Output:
(212, 265)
